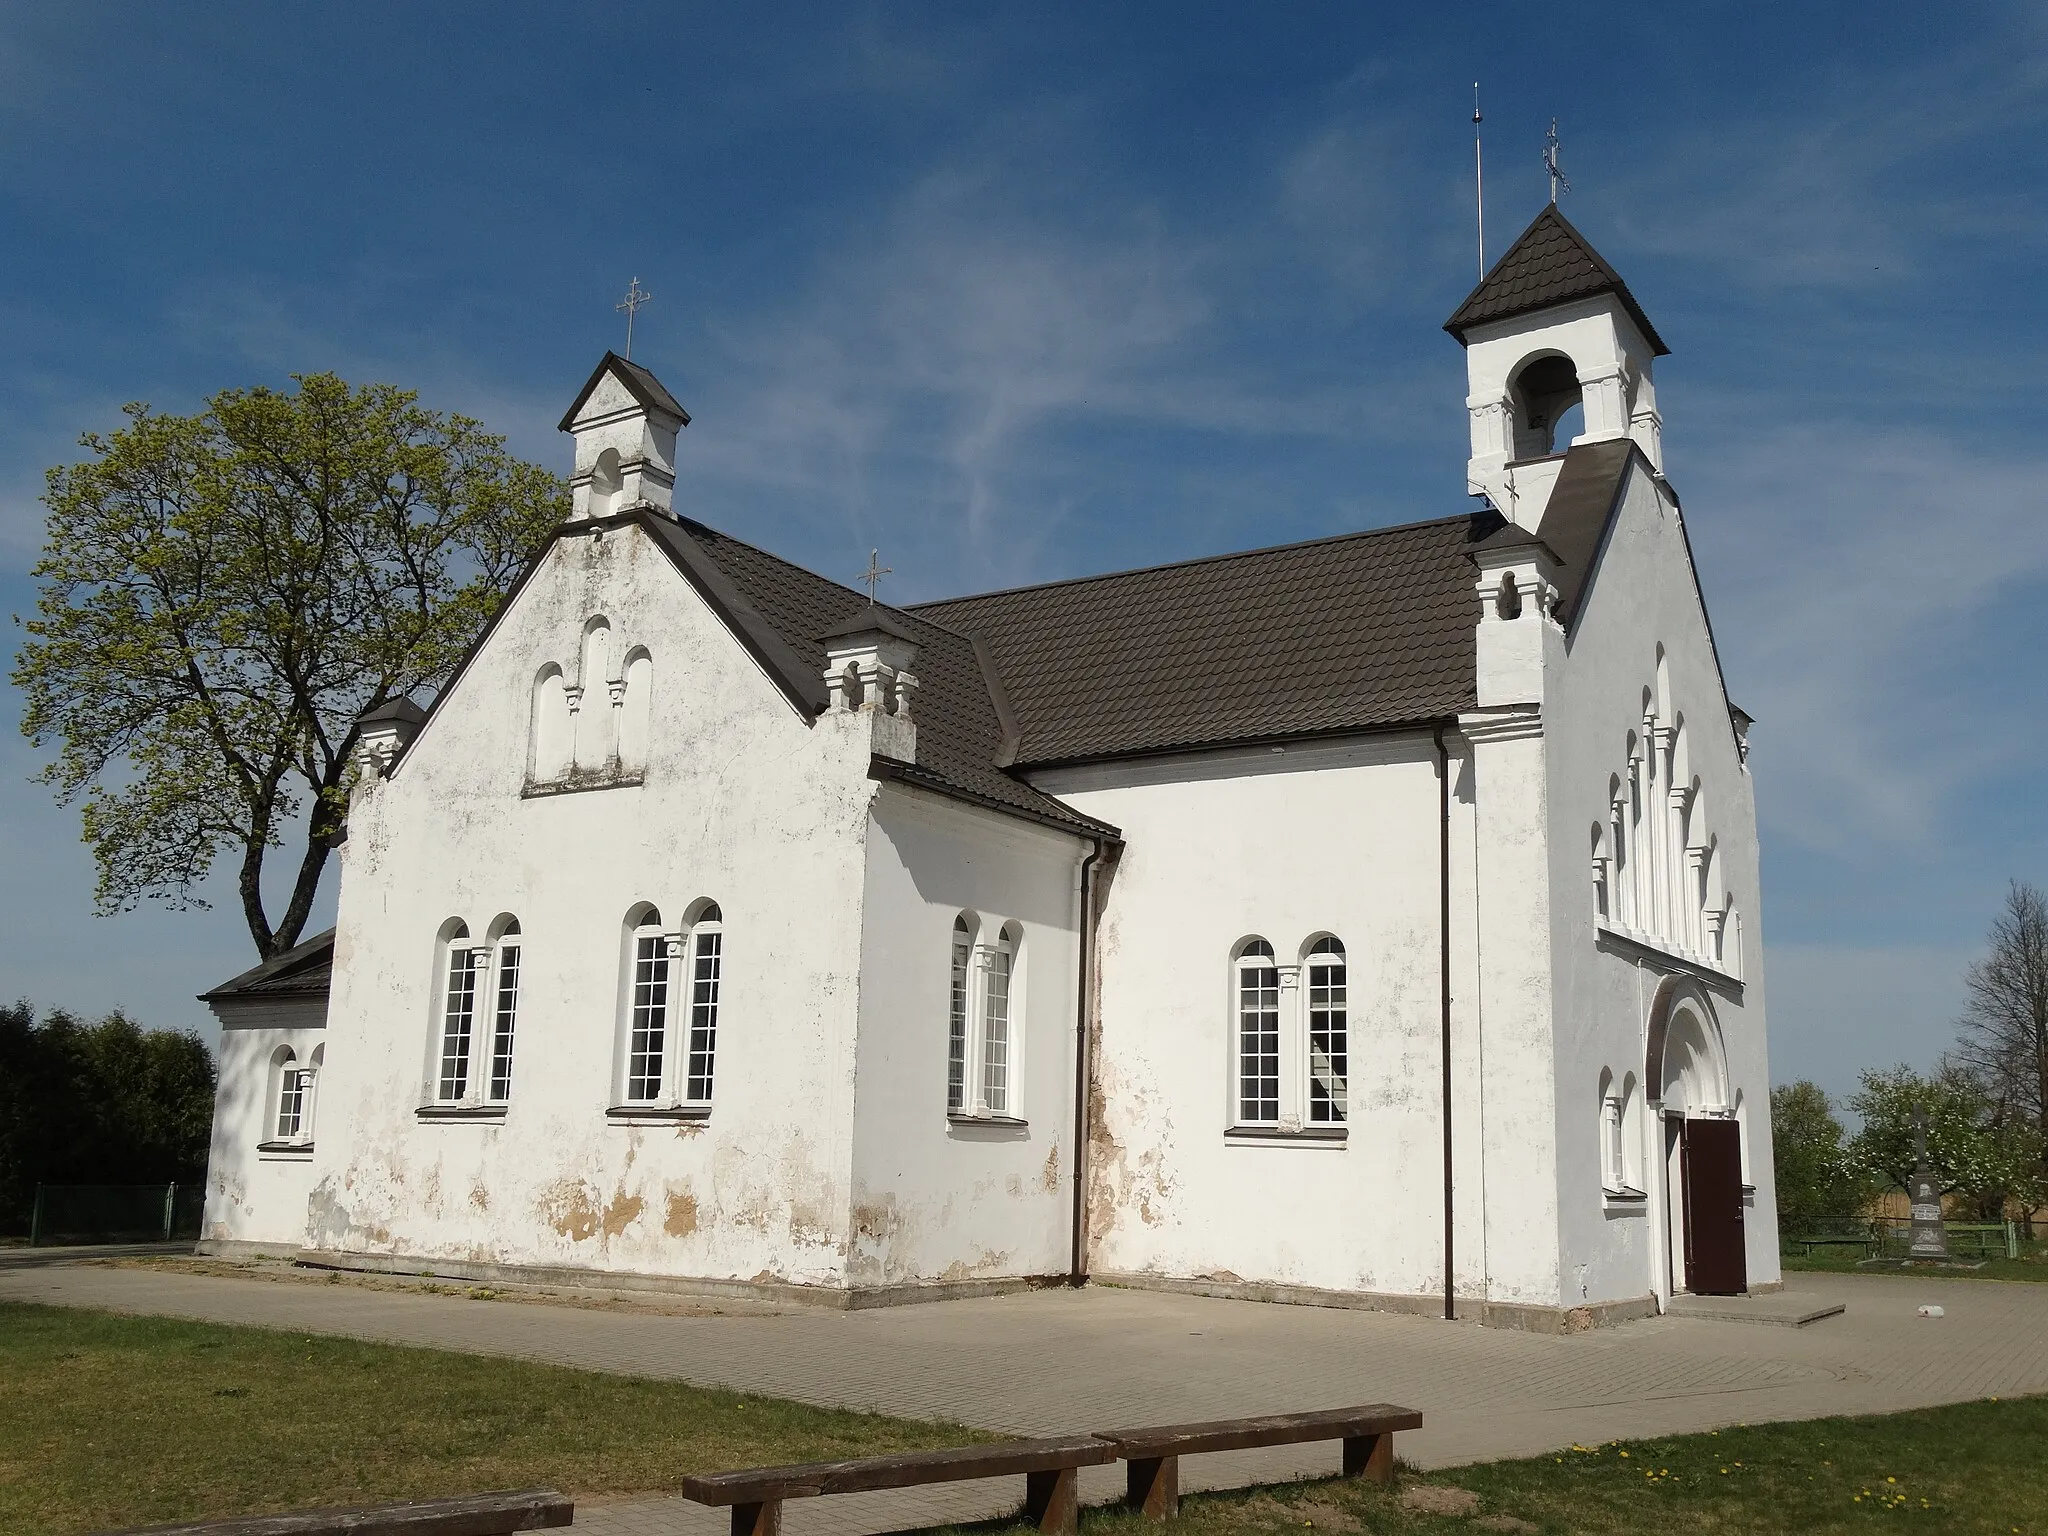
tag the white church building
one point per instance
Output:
(1365, 922)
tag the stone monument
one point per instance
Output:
(1929, 1241)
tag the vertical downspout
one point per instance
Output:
(1443, 795)
(1077, 1271)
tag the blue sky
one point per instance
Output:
(1059, 289)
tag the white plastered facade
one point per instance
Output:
(558, 786)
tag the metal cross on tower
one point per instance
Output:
(629, 306)
(872, 576)
(1557, 182)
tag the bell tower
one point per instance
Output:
(1550, 327)
(625, 426)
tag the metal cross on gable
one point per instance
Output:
(872, 576)
(630, 306)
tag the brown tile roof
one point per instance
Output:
(301, 971)
(784, 612)
(1357, 632)
(1551, 263)
(1576, 516)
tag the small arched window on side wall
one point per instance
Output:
(504, 1007)
(958, 1009)
(1329, 1032)
(707, 969)
(458, 995)
(1611, 1156)
(1256, 980)
(293, 1096)
(998, 1035)
(647, 1004)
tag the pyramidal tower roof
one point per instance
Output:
(1552, 263)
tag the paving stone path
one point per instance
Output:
(1053, 1361)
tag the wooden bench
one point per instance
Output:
(1047, 1466)
(481, 1514)
(1860, 1244)
(1152, 1456)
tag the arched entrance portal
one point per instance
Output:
(1686, 1074)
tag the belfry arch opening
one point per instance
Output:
(1545, 390)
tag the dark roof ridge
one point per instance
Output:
(1175, 565)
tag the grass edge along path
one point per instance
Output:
(110, 1420)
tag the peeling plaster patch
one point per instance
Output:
(983, 1263)
(1049, 1180)
(480, 1196)
(682, 1213)
(570, 1207)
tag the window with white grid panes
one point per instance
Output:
(956, 1019)
(995, 1026)
(458, 1019)
(294, 1084)
(647, 1038)
(1258, 1035)
(1329, 1033)
(504, 1014)
(707, 952)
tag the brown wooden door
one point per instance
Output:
(1711, 1166)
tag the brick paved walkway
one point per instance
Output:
(1055, 1361)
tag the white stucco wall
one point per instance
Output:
(939, 1198)
(744, 802)
(1643, 596)
(251, 1196)
(1339, 839)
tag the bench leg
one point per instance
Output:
(763, 1519)
(1370, 1456)
(1152, 1485)
(1052, 1499)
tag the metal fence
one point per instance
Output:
(110, 1213)
(1890, 1237)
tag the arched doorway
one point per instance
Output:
(1700, 1147)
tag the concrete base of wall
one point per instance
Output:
(576, 1277)
(1489, 1314)
(227, 1248)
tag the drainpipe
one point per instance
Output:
(1443, 882)
(1077, 1271)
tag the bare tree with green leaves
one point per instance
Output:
(2002, 1038)
(222, 595)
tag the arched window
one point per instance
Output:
(647, 1023)
(1612, 1158)
(995, 1022)
(1258, 1034)
(707, 958)
(596, 745)
(1544, 389)
(504, 1009)
(294, 1095)
(956, 1016)
(1329, 1032)
(458, 1013)
(1631, 1136)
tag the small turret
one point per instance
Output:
(625, 426)
(1550, 327)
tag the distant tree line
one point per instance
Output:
(97, 1103)
(1986, 1101)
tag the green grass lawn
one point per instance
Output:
(109, 1421)
(1962, 1470)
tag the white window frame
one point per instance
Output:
(1256, 957)
(507, 969)
(704, 1001)
(299, 1084)
(470, 963)
(985, 1028)
(1335, 1111)
(661, 950)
